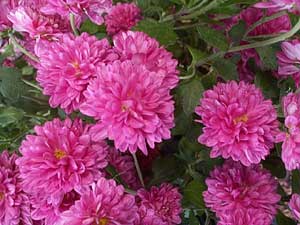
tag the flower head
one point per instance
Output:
(67, 66)
(132, 106)
(279, 5)
(59, 158)
(239, 123)
(14, 203)
(144, 50)
(5, 7)
(237, 193)
(94, 9)
(288, 60)
(160, 206)
(104, 203)
(294, 205)
(122, 17)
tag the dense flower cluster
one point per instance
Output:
(239, 123)
(239, 194)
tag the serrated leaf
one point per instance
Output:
(213, 37)
(10, 115)
(162, 32)
(267, 55)
(226, 69)
(190, 93)
(275, 166)
(283, 220)
(237, 32)
(268, 84)
(193, 194)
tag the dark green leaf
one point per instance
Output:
(162, 32)
(193, 194)
(10, 115)
(226, 69)
(275, 166)
(283, 220)
(89, 27)
(237, 32)
(213, 37)
(268, 84)
(296, 181)
(267, 55)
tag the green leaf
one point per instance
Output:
(226, 69)
(188, 150)
(89, 27)
(192, 194)
(237, 32)
(165, 169)
(10, 115)
(213, 37)
(162, 32)
(190, 93)
(196, 54)
(275, 166)
(283, 220)
(267, 55)
(12, 87)
(268, 84)
(296, 181)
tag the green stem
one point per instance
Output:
(264, 20)
(129, 191)
(72, 22)
(271, 41)
(138, 169)
(32, 85)
(22, 49)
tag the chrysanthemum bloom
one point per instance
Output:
(67, 67)
(288, 60)
(144, 50)
(124, 166)
(132, 107)
(236, 193)
(294, 205)
(291, 142)
(60, 157)
(14, 203)
(239, 123)
(279, 5)
(160, 205)
(104, 204)
(122, 17)
(94, 9)
(31, 21)
(5, 7)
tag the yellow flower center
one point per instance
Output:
(1, 196)
(244, 118)
(103, 221)
(59, 154)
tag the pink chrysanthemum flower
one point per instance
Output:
(132, 107)
(291, 142)
(294, 205)
(14, 203)
(122, 17)
(236, 193)
(5, 7)
(60, 157)
(279, 5)
(161, 205)
(104, 204)
(125, 168)
(30, 20)
(94, 9)
(239, 123)
(288, 60)
(67, 66)
(144, 50)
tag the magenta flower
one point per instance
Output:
(122, 17)
(94, 9)
(67, 66)
(30, 20)
(238, 194)
(14, 203)
(291, 139)
(105, 203)
(160, 206)
(59, 158)
(144, 50)
(5, 7)
(124, 166)
(288, 60)
(279, 5)
(239, 123)
(132, 107)
(294, 205)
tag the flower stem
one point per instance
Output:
(72, 22)
(22, 49)
(138, 169)
(32, 85)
